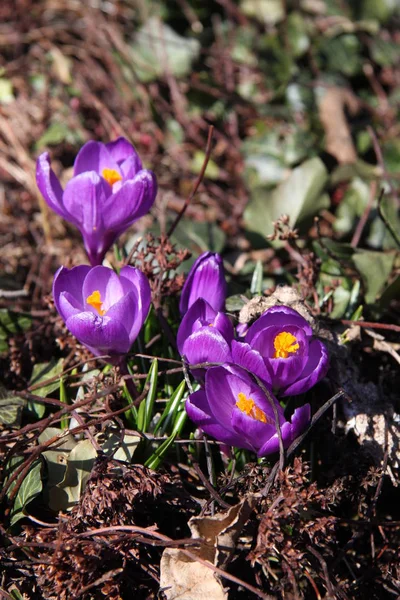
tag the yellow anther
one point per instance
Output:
(249, 408)
(285, 343)
(95, 301)
(111, 175)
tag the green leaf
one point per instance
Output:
(69, 464)
(158, 48)
(257, 279)
(28, 490)
(11, 323)
(341, 299)
(236, 302)
(385, 52)
(212, 170)
(297, 34)
(79, 466)
(375, 269)
(10, 408)
(392, 292)
(157, 457)
(382, 10)
(121, 449)
(343, 54)
(352, 206)
(57, 133)
(300, 197)
(41, 373)
(380, 235)
(199, 237)
(145, 411)
(171, 408)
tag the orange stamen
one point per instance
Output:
(249, 408)
(111, 175)
(285, 343)
(95, 301)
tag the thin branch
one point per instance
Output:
(196, 185)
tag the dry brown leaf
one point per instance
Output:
(332, 105)
(183, 578)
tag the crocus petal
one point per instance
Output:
(199, 315)
(278, 316)
(124, 311)
(283, 370)
(205, 280)
(84, 197)
(198, 411)
(101, 334)
(314, 370)
(206, 345)
(70, 280)
(107, 283)
(134, 278)
(223, 388)
(120, 150)
(223, 324)
(300, 420)
(130, 167)
(94, 156)
(244, 356)
(263, 341)
(133, 200)
(241, 329)
(272, 445)
(199, 311)
(254, 432)
(50, 187)
(68, 305)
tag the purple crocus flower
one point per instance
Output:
(205, 280)
(107, 193)
(103, 310)
(205, 335)
(233, 409)
(280, 349)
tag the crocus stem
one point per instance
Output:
(123, 367)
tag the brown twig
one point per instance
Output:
(296, 443)
(371, 325)
(174, 543)
(196, 185)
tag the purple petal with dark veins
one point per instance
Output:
(278, 316)
(300, 420)
(105, 281)
(272, 445)
(254, 432)
(121, 150)
(94, 156)
(70, 280)
(243, 355)
(315, 369)
(133, 200)
(205, 280)
(198, 410)
(206, 345)
(101, 334)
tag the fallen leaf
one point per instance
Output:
(183, 578)
(333, 101)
